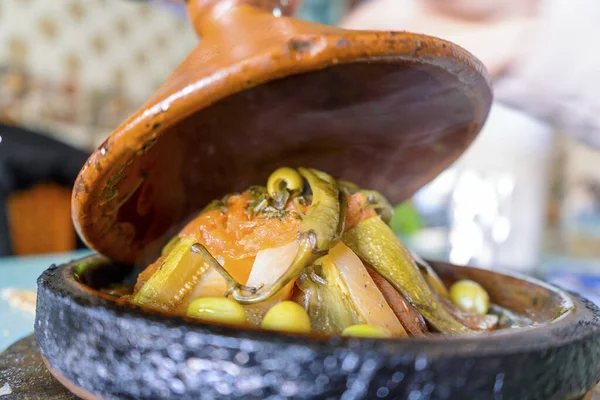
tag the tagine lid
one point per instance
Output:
(388, 111)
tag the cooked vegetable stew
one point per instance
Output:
(307, 253)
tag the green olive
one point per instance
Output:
(284, 178)
(287, 316)
(470, 296)
(366, 331)
(217, 309)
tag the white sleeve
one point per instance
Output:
(558, 76)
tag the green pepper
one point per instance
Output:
(469, 319)
(430, 275)
(325, 216)
(434, 280)
(325, 297)
(375, 243)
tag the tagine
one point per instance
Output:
(297, 287)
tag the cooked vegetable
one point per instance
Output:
(169, 246)
(411, 320)
(321, 228)
(375, 200)
(470, 296)
(471, 320)
(430, 276)
(235, 233)
(325, 216)
(208, 259)
(287, 316)
(380, 204)
(323, 294)
(368, 300)
(210, 284)
(434, 281)
(340, 292)
(366, 331)
(268, 267)
(175, 277)
(375, 243)
(217, 309)
(306, 253)
(270, 264)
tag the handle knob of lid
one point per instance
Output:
(204, 13)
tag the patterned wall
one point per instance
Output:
(79, 67)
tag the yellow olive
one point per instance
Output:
(284, 176)
(470, 296)
(366, 331)
(287, 316)
(217, 309)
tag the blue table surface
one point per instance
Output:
(21, 273)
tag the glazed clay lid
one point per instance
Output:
(388, 111)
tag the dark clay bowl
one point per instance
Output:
(99, 348)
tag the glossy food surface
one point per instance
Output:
(322, 245)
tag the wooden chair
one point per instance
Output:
(37, 173)
(40, 220)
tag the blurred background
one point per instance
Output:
(525, 196)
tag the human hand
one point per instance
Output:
(495, 31)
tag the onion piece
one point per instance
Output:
(368, 300)
(210, 284)
(270, 265)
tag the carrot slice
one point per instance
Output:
(410, 318)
